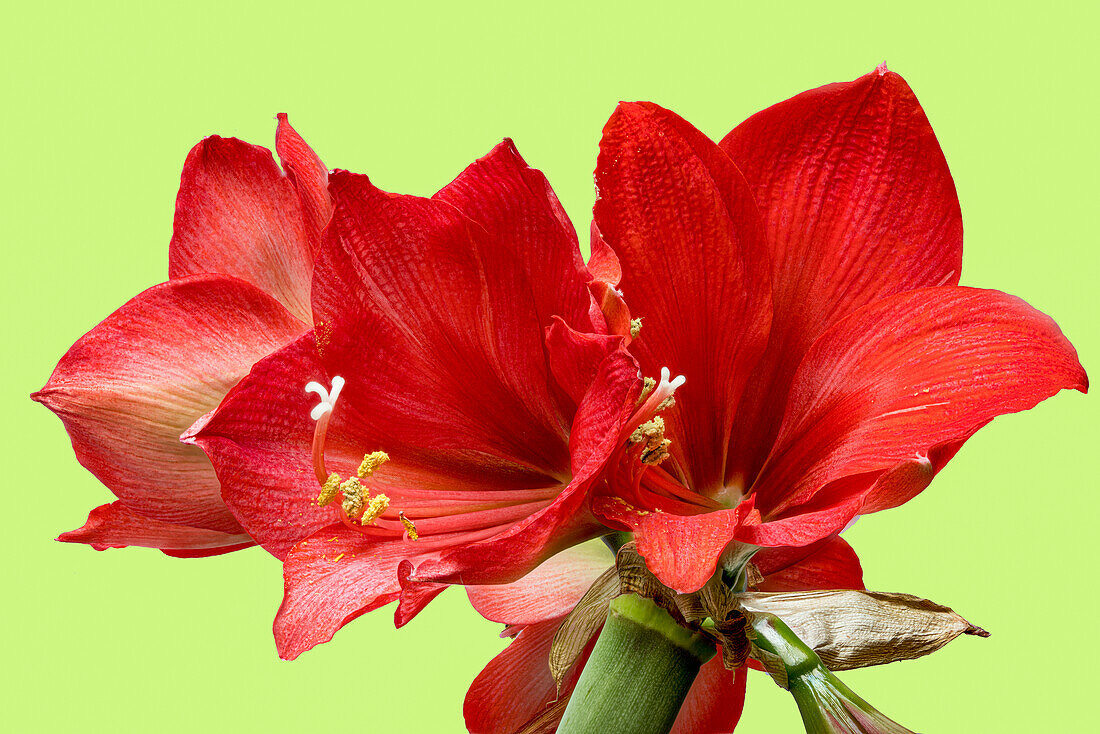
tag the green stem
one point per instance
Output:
(639, 673)
(827, 705)
(617, 540)
(774, 636)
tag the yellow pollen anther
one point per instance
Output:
(410, 528)
(329, 489)
(649, 431)
(371, 462)
(648, 386)
(652, 434)
(635, 328)
(375, 507)
(667, 403)
(353, 497)
(655, 454)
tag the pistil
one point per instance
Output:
(322, 414)
(358, 509)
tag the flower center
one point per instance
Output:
(358, 509)
(637, 471)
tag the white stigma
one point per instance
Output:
(672, 383)
(328, 397)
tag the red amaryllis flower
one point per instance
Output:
(802, 275)
(516, 692)
(456, 421)
(240, 263)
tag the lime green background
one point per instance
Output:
(102, 103)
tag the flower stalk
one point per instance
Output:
(827, 705)
(639, 673)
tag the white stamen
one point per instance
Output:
(328, 398)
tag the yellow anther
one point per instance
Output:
(648, 386)
(655, 453)
(652, 434)
(376, 505)
(329, 489)
(410, 528)
(667, 403)
(635, 328)
(371, 462)
(653, 430)
(353, 497)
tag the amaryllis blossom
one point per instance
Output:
(240, 263)
(436, 413)
(516, 689)
(802, 275)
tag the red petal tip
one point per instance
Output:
(881, 69)
(94, 546)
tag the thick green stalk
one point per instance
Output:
(639, 674)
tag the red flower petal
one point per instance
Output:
(858, 203)
(260, 442)
(681, 550)
(130, 386)
(907, 479)
(566, 521)
(515, 686)
(521, 215)
(614, 313)
(116, 526)
(454, 362)
(603, 263)
(548, 592)
(715, 701)
(576, 357)
(238, 215)
(415, 595)
(828, 564)
(309, 176)
(882, 401)
(911, 374)
(331, 578)
(681, 219)
(827, 514)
